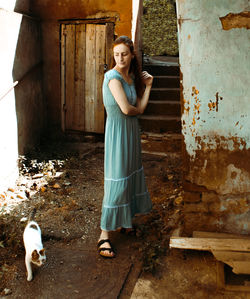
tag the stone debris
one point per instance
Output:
(56, 186)
(7, 291)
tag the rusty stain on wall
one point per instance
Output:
(195, 110)
(215, 105)
(232, 143)
(236, 20)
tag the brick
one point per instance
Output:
(210, 197)
(195, 208)
(192, 196)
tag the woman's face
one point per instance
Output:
(122, 56)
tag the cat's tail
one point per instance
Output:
(32, 215)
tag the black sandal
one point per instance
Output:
(100, 249)
(129, 231)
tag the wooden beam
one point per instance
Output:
(80, 73)
(239, 261)
(221, 283)
(63, 75)
(89, 21)
(200, 234)
(210, 244)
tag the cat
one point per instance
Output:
(34, 251)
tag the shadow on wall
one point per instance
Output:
(22, 108)
(27, 70)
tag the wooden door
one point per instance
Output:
(86, 51)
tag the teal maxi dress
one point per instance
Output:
(125, 190)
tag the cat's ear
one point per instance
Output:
(35, 255)
(42, 251)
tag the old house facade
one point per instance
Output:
(54, 54)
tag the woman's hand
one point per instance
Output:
(147, 79)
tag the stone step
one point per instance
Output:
(161, 144)
(166, 81)
(168, 94)
(160, 123)
(164, 108)
(159, 70)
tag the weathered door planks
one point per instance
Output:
(100, 62)
(80, 58)
(70, 76)
(90, 83)
(63, 71)
(85, 49)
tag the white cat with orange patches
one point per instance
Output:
(35, 253)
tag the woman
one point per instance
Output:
(125, 95)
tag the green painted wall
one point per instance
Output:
(214, 40)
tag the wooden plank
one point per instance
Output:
(220, 275)
(239, 267)
(80, 57)
(70, 76)
(100, 61)
(210, 244)
(221, 283)
(89, 21)
(63, 73)
(231, 255)
(109, 44)
(239, 261)
(90, 81)
(200, 234)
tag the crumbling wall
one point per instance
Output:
(215, 66)
(159, 28)
(21, 101)
(119, 11)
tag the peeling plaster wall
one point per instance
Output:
(51, 11)
(214, 43)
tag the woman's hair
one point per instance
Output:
(134, 65)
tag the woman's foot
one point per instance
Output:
(134, 231)
(104, 246)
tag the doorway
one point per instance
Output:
(86, 51)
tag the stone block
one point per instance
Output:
(192, 196)
(210, 197)
(195, 208)
(200, 221)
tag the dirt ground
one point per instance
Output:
(64, 181)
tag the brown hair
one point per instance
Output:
(135, 68)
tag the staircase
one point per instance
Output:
(161, 121)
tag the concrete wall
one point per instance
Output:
(51, 12)
(215, 62)
(22, 107)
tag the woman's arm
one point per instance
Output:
(118, 93)
(143, 102)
